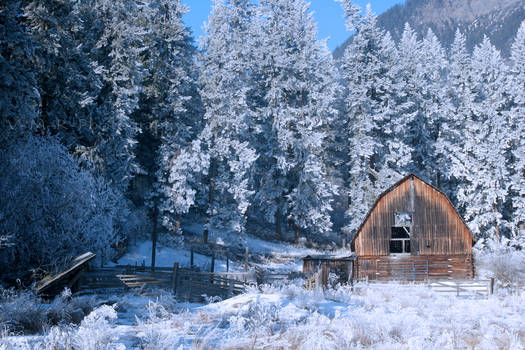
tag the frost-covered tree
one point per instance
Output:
(297, 93)
(516, 90)
(225, 79)
(169, 113)
(458, 110)
(376, 150)
(419, 98)
(120, 47)
(431, 94)
(19, 99)
(50, 207)
(483, 167)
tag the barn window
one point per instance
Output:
(400, 240)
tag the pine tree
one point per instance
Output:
(458, 111)
(168, 113)
(225, 81)
(120, 47)
(517, 92)
(377, 154)
(485, 173)
(298, 89)
(19, 98)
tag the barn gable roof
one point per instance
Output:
(394, 186)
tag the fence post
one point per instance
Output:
(174, 277)
(191, 256)
(230, 288)
(491, 286)
(245, 263)
(325, 274)
(212, 269)
(227, 265)
(457, 286)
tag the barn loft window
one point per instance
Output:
(402, 218)
(400, 241)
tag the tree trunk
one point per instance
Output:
(211, 173)
(154, 234)
(497, 222)
(278, 224)
(205, 233)
(297, 230)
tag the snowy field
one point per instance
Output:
(377, 316)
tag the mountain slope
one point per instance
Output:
(498, 19)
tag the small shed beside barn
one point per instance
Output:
(341, 266)
(413, 232)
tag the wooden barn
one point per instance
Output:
(413, 232)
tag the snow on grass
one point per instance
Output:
(377, 316)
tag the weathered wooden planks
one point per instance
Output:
(403, 268)
(436, 231)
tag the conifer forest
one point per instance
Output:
(114, 120)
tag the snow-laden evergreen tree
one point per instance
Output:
(297, 93)
(517, 121)
(119, 50)
(484, 167)
(225, 81)
(19, 98)
(432, 96)
(458, 112)
(67, 75)
(419, 97)
(89, 79)
(175, 103)
(377, 153)
(169, 112)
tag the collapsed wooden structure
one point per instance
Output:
(187, 283)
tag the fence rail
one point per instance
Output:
(190, 284)
(464, 288)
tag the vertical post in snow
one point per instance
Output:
(245, 263)
(325, 274)
(174, 278)
(212, 268)
(191, 256)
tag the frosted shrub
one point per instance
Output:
(53, 208)
(503, 261)
(156, 331)
(95, 332)
(22, 312)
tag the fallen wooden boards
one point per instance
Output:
(69, 274)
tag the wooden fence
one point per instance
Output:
(188, 284)
(480, 288)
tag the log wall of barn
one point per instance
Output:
(439, 267)
(437, 229)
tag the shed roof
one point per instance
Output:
(391, 188)
(329, 257)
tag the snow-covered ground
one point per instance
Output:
(378, 316)
(274, 256)
(375, 316)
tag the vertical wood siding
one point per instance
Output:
(437, 228)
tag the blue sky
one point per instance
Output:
(327, 13)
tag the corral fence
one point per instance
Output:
(464, 288)
(187, 283)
